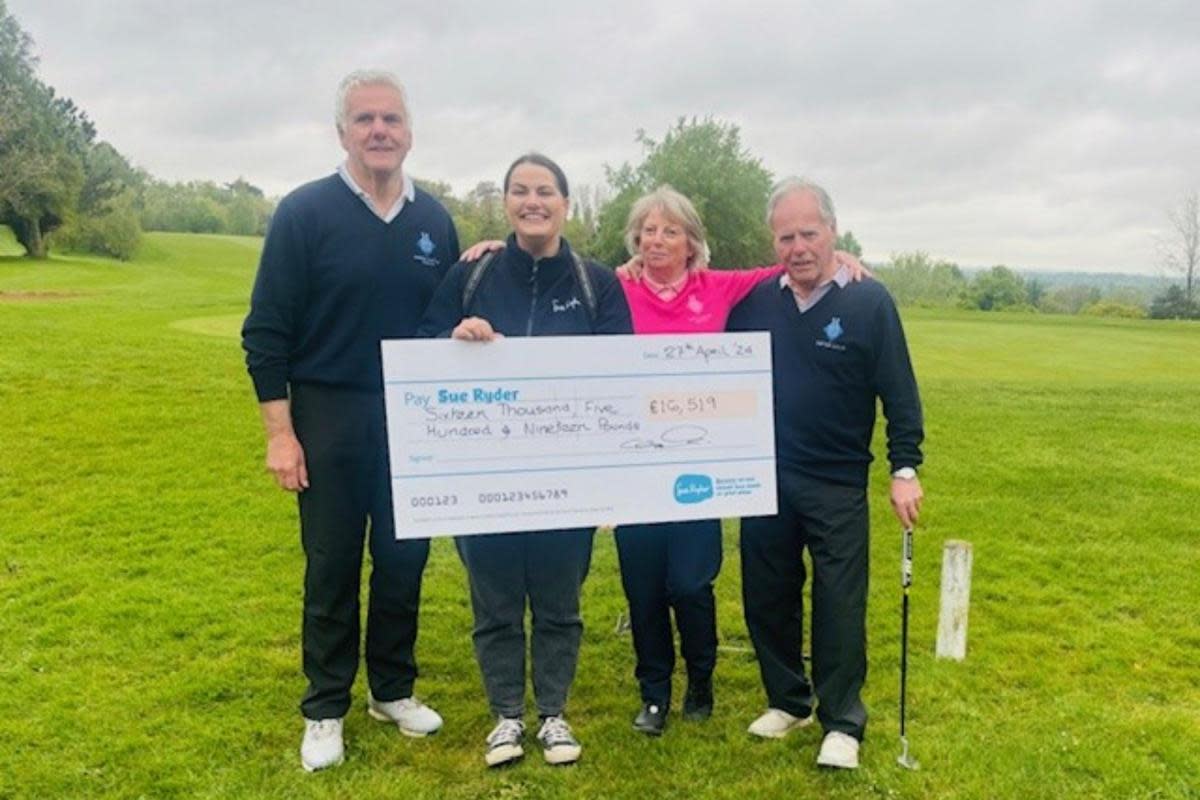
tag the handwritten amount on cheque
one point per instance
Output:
(503, 413)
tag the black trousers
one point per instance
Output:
(665, 566)
(349, 498)
(832, 522)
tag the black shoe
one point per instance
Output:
(651, 720)
(698, 702)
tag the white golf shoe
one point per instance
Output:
(409, 714)
(777, 723)
(839, 751)
(322, 746)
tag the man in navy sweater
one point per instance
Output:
(349, 260)
(836, 347)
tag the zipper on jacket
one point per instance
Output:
(533, 297)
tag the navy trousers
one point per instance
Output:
(671, 566)
(831, 522)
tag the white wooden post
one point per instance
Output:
(956, 600)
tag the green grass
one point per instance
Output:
(150, 575)
(8, 243)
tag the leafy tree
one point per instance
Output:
(997, 289)
(916, 279)
(43, 142)
(847, 242)
(1035, 290)
(705, 160)
(1173, 303)
(205, 207)
(1069, 299)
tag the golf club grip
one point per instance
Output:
(906, 558)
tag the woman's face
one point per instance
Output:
(535, 207)
(663, 244)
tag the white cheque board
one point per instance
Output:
(527, 434)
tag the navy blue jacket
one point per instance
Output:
(830, 364)
(334, 279)
(523, 296)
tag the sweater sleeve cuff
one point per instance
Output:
(269, 387)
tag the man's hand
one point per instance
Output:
(479, 249)
(475, 329)
(285, 460)
(906, 500)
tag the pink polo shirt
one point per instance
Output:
(702, 304)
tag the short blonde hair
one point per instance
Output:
(675, 207)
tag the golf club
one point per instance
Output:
(906, 573)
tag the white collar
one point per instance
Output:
(407, 194)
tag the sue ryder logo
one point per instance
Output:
(693, 489)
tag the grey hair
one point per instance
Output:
(795, 185)
(678, 208)
(365, 77)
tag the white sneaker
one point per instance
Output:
(504, 742)
(777, 723)
(413, 717)
(322, 746)
(839, 750)
(559, 745)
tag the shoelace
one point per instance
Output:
(507, 730)
(555, 730)
(324, 728)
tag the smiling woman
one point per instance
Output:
(535, 286)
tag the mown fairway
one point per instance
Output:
(150, 574)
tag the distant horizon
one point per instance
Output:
(1028, 133)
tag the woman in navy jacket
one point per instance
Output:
(535, 286)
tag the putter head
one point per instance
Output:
(904, 759)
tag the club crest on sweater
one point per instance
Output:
(426, 247)
(833, 331)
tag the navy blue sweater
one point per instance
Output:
(523, 296)
(335, 279)
(830, 364)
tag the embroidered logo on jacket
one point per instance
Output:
(833, 331)
(426, 247)
(559, 307)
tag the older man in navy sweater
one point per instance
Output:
(349, 259)
(836, 347)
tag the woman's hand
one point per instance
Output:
(631, 269)
(850, 261)
(479, 249)
(475, 329)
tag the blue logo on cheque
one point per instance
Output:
(693, 488)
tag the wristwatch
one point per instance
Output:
(905, 473)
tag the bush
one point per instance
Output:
(1112, 308)
(114, 232)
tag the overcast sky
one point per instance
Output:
(1051, 134)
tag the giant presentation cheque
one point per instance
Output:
(527, 434)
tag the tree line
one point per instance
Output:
(58, 183)
(60, 186)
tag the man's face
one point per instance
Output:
(804, 242)
(375, 134)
